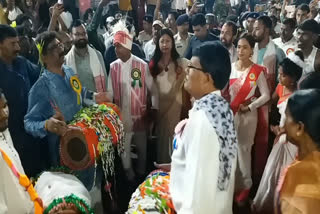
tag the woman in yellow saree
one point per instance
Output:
(299, 187)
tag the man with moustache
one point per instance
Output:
(227, 36)
(86, 61)
(266, 53)
(307, 34)
(17, 75)
(287, 42)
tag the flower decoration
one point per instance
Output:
(40, 49)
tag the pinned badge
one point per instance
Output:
(76, 86)
(136, 76)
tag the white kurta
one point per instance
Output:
(195, 169)
(287, 47)
(128, 95)
(13, 197)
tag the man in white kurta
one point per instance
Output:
(287, 42)
(13, 197)
(130, 82)
(204, 159)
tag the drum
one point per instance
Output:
(96, 132)
(153, 195)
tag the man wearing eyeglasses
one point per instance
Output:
(86, 61)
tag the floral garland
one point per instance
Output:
(153, 195)
(108, 127)
(68, 202)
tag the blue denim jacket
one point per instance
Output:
(52, 90)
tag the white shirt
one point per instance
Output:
(13, 197)
(14, 13)
(195, 168)
(182, 45)
(233, 54)
(149, 49)
(178, 5)
(288, 47)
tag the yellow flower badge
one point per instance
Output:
(76, 86)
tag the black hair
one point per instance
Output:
(291, 69)
(310, 25)
(158, 54)
(22, 18)
(310, 81)
(45, 39)
(250, 39)
(86, 14)
(76, 23)
(175, 14)
(303, 7)
(215, 60)
(233, 26)
(198, 19)
(304, 106)
(266, 21)
(7, 32)
(290, 22)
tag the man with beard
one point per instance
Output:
(183, 37)
(266, 53)
(227, 36)
(287, 42)
(17, 75)
(307, 34)
(86, 61)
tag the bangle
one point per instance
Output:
(46, 125)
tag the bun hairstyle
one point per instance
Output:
(304, 106)
(293, 65)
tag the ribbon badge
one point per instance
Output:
(76, 86)
(252, 77)
(136, 76)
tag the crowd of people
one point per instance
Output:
(225, 109)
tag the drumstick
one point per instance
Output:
(56, 108)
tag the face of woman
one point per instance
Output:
(165, 44)
(195, 78)
(284, 79)
(29, 3)
(244, 50)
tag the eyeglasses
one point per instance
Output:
(192, 67)
(55, 46)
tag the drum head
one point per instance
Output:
(74, 151)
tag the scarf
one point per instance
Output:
(269, 61)
(220, 116)
(95, 65)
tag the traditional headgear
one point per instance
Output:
(54, 187)
(184, 18)
(296, 60)
(122, 35)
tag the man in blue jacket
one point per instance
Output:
(17, 75)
